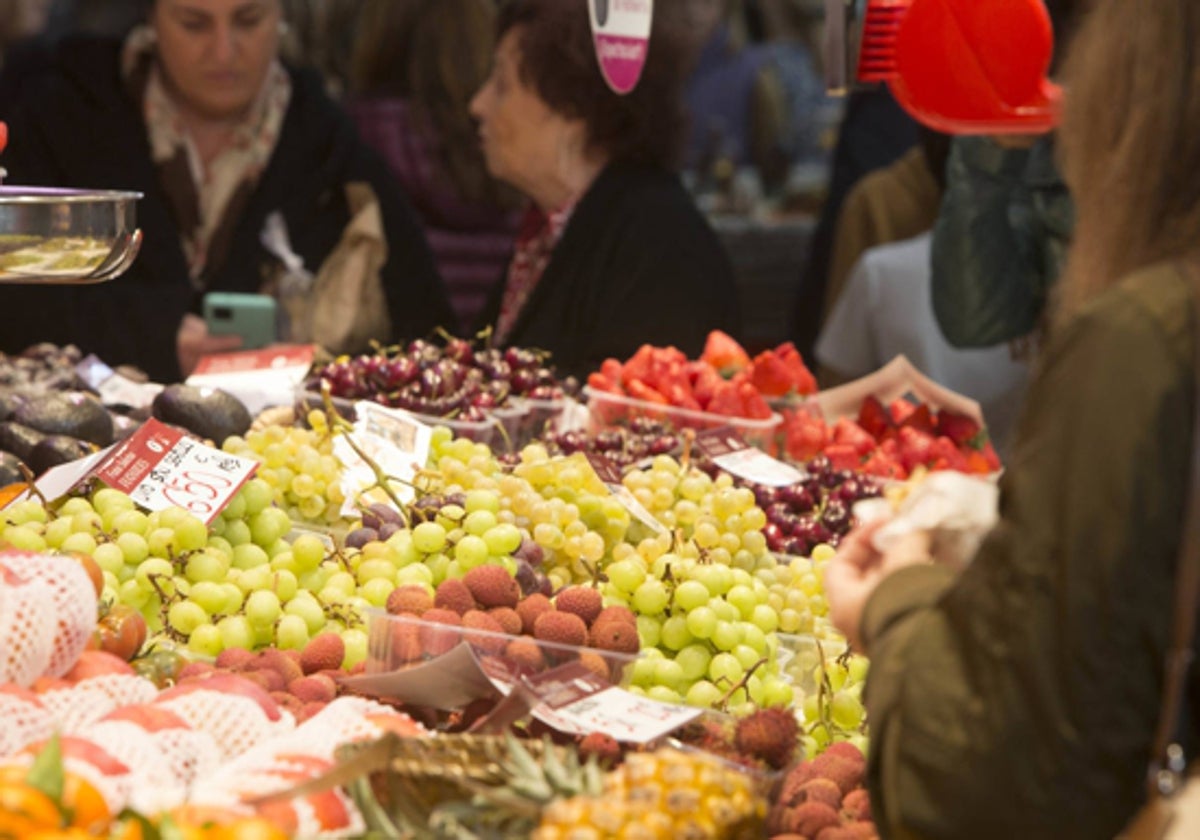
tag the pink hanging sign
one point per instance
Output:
(621, 34)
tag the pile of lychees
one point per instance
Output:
(824, 799)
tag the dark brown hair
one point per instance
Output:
(558, 61)
(435, 54)
(1130, 142)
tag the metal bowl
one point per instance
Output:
(51, 235)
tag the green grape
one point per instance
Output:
(479, 522)
(257, 495)
(649, 631)
(109, 557)
(429, 538)
(211, 596)
(376, 568)
(694, 660)
(25, 538)
(80, 542)
(703, 694)
(846, 711)
(690, 594)
(263, 608)
(702, 622)
(56, 532)
(291, 633)
(236, 632)
(155, 568)
(355, 641)
(285, 585)
(376, 591)
(206, 565)
(502, 539)
(675, 633)
(471, 551)
(725, 668)
(308, 551)
(190, 534)
(669, 673)
(306, 607)
(628, 576)
(206, 641)
(185, 616)
(251, 580)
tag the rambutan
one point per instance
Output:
(769, 735)
(856, 806)
(810, 818)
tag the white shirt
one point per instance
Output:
(886, 309)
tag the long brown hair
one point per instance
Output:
(1130, 141)
(436, 54)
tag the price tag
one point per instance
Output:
(621, 35)
(160, 467)
(610, 474)
(115, 389)
(729, 452)
(576, 701)
(259, 378)
(393, 439)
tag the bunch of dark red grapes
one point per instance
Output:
(816, 510)
(456, 380)
(625, 446)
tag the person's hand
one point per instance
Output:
(1015, 141)
(193, 341)
(859, 567)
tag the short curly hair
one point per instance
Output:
(558, 60)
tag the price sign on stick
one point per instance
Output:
(729, 452)
(160, 467)
(621, 35)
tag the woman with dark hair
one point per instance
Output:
(1020, 696)
(612, 252)
(246, 167)
(416, 65)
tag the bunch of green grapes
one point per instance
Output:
(829, 681)
(300, 467)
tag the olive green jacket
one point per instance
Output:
(1017, 699)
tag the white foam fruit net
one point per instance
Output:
(76, 708)
(73, 609)
(23, 721)
(26, 630)
(235, 722)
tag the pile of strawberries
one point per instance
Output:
(891, 441)
(724, 380)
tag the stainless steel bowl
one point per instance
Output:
(51, 235)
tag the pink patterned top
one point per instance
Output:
(537, 238)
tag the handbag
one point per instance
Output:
(1172, 808)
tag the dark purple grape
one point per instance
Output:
(764, 496)
(530, 552)
(360, 537)
(526, 578)
(820, 534)
(386, 513)
(387, 529)
(609, 441)
(518, 357)
(796, 547)
(371, 520)
(459, 499)
(778, 511)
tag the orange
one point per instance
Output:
(24, 809)
(80, 799)
(248, 828)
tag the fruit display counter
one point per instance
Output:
(592, 625)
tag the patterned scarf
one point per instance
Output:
(537, 238)
(207, 200)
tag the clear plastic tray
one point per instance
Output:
(606, 410)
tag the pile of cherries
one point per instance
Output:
(816, 510)
(625, 446)
(455, 380)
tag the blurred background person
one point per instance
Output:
(416, 66)
(196, 111)
(612, 252)
(1018, 695)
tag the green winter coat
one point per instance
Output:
(1017, 699)
(999, 242)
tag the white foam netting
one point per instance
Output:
(26, 630)
(235, 722)
(137, 749)
(78, 707)
(23, 720)
(73, 616)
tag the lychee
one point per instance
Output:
(525, 654)
(453, 594)
(856, 806)
(508, 618)
(530, 608)
(849, 831)
(595, 663)
(493, 586)
(614, 635)
(315, 689)
(561, 628)
(847, 751)
(616, 613)
(326, 650)
(845, 774)
(492, 639)
(768, 735)
(817, 790)
(230, 658)
(268, 678)
(582, 601)
(410, 598)
(406, 644)
(808, 819)
(440, 634)
(286, 662)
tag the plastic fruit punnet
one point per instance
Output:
(964, 66)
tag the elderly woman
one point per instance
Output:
(196, 111)
(611, 253)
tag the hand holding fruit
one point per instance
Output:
(858, 568)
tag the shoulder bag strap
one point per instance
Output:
(1167, 761)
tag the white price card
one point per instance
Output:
(113, 388)
(575, 700)
(161, 467)
(729, 452)
(393, 439)
(610, 474)
(259, 378)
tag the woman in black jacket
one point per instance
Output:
(196, 112)
(612, 252)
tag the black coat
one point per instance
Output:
(77, 126)
(637, 264)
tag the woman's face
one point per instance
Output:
(216, 53)
(522, 137)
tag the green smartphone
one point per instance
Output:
(253, 317)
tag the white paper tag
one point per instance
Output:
(729, 452)
(608, 473)
(160, 467)
(56, 482)
(113, 388)
(394, 440)
(259, 378)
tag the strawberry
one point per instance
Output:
(947, 455)
(805, 434)
(842, 456)
(900, 409)
(921, 419)
(847, 431)
(639, 390)
(771, 375)
(704, 379)
(638, 366)
(963, 430)
(915, 447)
(599, 382)
(874, 419)
(753, 404)
(724, 354)
(883, 466)
(803, 382)
(725, 400)
(989, 453)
